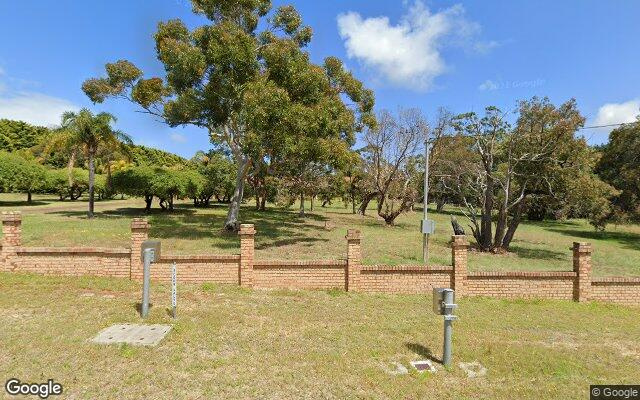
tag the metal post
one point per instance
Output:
(174, 289)
(148, 255)
(448, 326)
(425, 236)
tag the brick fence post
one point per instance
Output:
(247, 250)
(582, 268)
(139, 233)
(459, 247)
(11, 237)
(354, 259)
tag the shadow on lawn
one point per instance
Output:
(422, 351)
(275, 227)
(539, 254)
(627, 239)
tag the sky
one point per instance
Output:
(424, 54)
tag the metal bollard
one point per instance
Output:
(443, 304)
(448, 306)
(148, 256)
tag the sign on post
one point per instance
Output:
(174, 289)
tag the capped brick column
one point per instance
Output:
(139, 233)
(247, 249)
(459, 247)
(11, 236)
(582, 268)
(354, 259)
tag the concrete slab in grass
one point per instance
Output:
(134, 334)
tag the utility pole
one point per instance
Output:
(425, 236)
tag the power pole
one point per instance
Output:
(425, 236)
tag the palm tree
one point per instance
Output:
(89, 132)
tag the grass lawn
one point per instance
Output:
(236, 343)
(282, 234)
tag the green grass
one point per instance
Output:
(282, 234)
(235, 343)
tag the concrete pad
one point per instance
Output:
(473, 369)
(395, 368)
(134, 334)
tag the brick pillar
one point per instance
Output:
(582, 268)
(11, 237)
(139, 233)
(354, 259)
(459, 247)
(247, 234)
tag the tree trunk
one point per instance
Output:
(28, 197)
(365, 202)
(171, 203)
(301, 213)
(232, 223)
(263, 203)
(513, 225)
(72, 162)
(311, 208)
(148, 199)
(440, 203)
(92, 177)
(485, 222)
(501, 227)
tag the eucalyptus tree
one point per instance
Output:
(255, 90)
(506, 166)
(88, 132)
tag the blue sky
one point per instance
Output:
(460, 55)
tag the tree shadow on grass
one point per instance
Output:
(538, 254)
(24, 203)
(422, 351)
(275, 227)
(629, 240)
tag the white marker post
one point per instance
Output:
(174, 289)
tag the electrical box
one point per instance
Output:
(438, 299)
(428, 226)
(155, 246)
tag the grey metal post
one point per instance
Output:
(425, 236)
(148, 255)
(174, 289)
(448, 326)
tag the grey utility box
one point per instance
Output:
(155, 246)
(427, 226)
(438, 299)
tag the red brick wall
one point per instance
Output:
(616, 290)
(404, 278)
(69, 261)
(197, 268)
(315, 274)
(548, 285)
(349, 273)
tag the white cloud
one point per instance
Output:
(34, 108)
(488, 85)
(177, 137)
(616, 113)
(409, 54)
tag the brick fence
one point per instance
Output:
(346, 272)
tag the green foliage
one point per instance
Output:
(620, 167)
(57, 182)
(142, 155)
(16, 135)
(18, 174)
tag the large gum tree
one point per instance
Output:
(253, 90)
